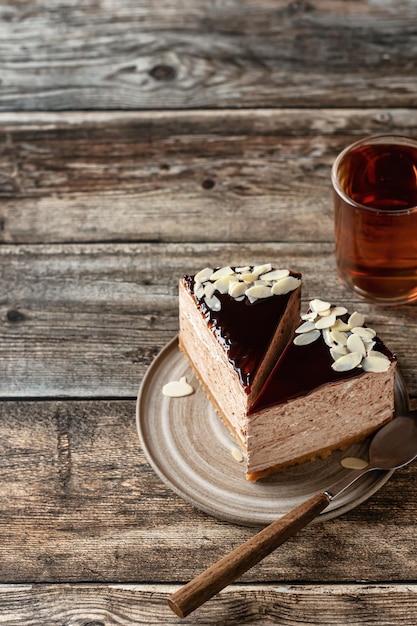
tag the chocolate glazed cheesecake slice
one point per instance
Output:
(332, 386)
(234, 324)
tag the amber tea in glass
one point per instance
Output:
(375, 204)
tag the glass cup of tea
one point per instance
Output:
(375, 208)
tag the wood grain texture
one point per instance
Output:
(140, 141)
(81, 504)
(87, 320)
(226, 176)
(176, 54)
(245, 556)
(260, 605)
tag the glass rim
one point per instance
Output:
(371, 139)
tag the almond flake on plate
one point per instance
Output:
(237, 454)
(177, 388)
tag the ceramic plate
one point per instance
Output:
(191, 450)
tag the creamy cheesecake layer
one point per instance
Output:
(316, 399)
(312, 426)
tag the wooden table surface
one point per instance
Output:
(140, 141)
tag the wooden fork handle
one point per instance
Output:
(229, 568)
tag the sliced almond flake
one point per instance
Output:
(239, 270)
(347, 362)
(326, 312)
(328, 338)
(325, 322)
(355, 344)
(275, 275)
(368, 341)
(375, 364)
(305, 328)
(237, 289)
(248, 277)
(240, 298)
(339, 337)
(285, 285)
(370, 347)
(353, 462)
(339, 310)
(199, 290)
(311, 316)
(319, 305)
(220, 273)
(337, 352)
(203, 275)
(177, 388)
(378, 355)
(305, 338)
(356, 319)
(209, 289)
(237, 454)
(262, 269)
(222, 284)
(363, 331)
(259, 291)
(213, 303)
(340, 325)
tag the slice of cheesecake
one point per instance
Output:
(234, 324)
(332, 386)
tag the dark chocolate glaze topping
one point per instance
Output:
(302, 369)
(243, 329)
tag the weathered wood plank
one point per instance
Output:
(202, 176)
(87, 320)
(80, 503)
(141, 55)
(260, 605)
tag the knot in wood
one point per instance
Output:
(15, 316)
(208, 183)
(163, 72)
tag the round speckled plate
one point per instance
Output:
(191, 450)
